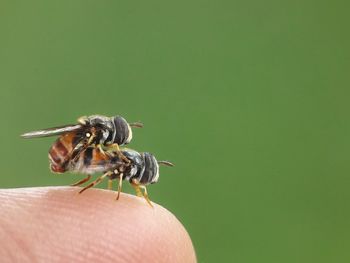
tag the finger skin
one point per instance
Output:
(56, 224)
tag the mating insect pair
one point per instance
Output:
(92, 146)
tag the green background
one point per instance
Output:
(250, 100)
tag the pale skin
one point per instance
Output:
(56, 224)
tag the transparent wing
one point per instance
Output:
(52, 131)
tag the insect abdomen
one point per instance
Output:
(60, 152)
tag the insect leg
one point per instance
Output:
(145, 195)
(79, 148)
(115, 147)
(82, 181)
(120, 185)
(82, 120)
(110, 184)
(91, 139)
(99, 147)
(97, 181)
(137, 186)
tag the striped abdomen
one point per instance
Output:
(61, 151)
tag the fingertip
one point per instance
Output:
(93, 226)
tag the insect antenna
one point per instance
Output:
(136, 124)
(167, 163)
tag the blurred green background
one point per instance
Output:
(250, 100)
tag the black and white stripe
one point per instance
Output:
(144, 167)
(122, 133)
(111, 129)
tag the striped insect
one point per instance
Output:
(95, 130)
(141, 169)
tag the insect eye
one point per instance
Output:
(88, 134)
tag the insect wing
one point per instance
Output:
(89, 159)
(52, 131)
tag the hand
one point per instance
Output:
(56, 224)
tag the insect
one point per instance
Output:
(141, 170)
(96, 130)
